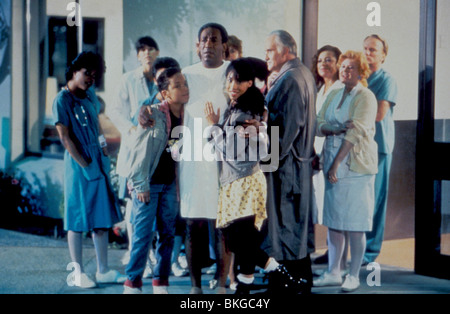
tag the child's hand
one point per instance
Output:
(211, 117)
(144, 197)
(144, 117)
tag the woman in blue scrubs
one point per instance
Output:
(89, 201)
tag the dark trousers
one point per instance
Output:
(197, 251)
(244, 240)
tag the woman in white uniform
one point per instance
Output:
(347, 119)
(326, 73)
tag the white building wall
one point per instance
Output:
(344, 24)
(174, 24)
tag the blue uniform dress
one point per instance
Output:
(384, 86)
(89, 201)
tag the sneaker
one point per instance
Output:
(111, 276)
(212, 270)
(160, 290)
(130, 290)
(327, 279)
(178, 271)
(130, 287)
(148, 271)
(319, 272)
(85, 282)
(233, 286)
(182, 260)
(213, 283)
(350, 284)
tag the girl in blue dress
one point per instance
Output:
(89, 201)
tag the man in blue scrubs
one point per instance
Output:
(384, 86)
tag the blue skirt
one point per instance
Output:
(90, 202)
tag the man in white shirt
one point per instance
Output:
(199, 178)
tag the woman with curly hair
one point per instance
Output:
(90, 204)
(347, 119)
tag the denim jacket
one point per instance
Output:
(147, 146)
(239, 156)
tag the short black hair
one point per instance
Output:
(163, 79)
(146, 41)
(252, 100)
(87, 60)
(243, 69)
(164, 63)
(223, 31)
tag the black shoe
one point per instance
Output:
(243, 288)
(282, 282)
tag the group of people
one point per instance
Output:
(194, 143)
(355, 104)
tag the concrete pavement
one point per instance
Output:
(37, 265)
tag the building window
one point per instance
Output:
(62, 49)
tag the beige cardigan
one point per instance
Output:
(363, 109)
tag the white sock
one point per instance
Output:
(357, 250)
(336, 244)
(272, 265)
(244, 279)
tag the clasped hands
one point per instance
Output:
(245, 131)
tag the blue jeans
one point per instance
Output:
(164, 207)
(374, 238)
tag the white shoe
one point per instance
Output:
(212, 270)
(213, 283)
(327, 279)
(350, 284)
(148, 272)
(319, 272)
(233, 286)
(85, 282)
(111, 276)
(129, 290)
(160, 290)
(182, 260)
(178, 271)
